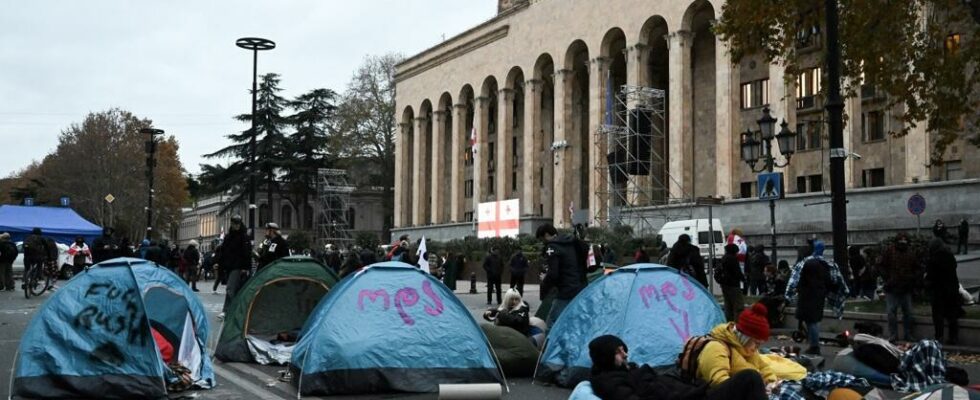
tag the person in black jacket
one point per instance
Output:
(35, 252)
(192, 262)
(613, 377)
(518, 269)
(493, 266)
(104, 247)
(274, 247)
(944, 286)
(963, 237)
(235, 259)
(730, 282)
(565, 269)
(513, 313)
(815, 284)
(8, 253)
(686, 257)
(332, 258)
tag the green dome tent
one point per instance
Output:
(278, 298)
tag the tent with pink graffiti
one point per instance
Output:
(653, 308)
(390, 328)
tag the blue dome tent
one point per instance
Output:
(390, 327)
(97, 337)
(653, 308)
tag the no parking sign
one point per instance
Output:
(917, 204)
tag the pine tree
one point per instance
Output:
(307, 146)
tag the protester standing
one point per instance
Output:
(756, 265)
(518, 269)
(565, 269)
(858, 267)
(686, 257)
(192, 262)
(944, 286)
(104, 247)
(152, 252)
(641, 256)
(813, 287)
(900, 270)
(730, 279)
(737, 238)
(125, 248)
(274, 247)
(450, 267)
(352, 263)
(332, 258)
(493, 266)
(608, 255)
(220, 277)
(8, 253)
(939, 230)
(235, 260)
(963, 236)
(80, 254)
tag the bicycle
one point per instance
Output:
(39, 275)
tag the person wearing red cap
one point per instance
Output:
(734, 353)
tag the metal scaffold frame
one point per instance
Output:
(333, 202)
(636, 199)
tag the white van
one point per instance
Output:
(697, 229)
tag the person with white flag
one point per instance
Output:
(422, 255)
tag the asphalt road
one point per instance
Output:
(249, 381)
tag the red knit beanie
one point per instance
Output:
(753, 322)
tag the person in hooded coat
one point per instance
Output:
(731, 283)
(944, 287)
(815, 283)
(731, 363)
(613, 377)
(686, 257)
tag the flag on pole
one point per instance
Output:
(421, 254)
(591, 256)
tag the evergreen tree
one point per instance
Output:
(308, 144)
(270, 148)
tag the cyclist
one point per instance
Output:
(35, 253)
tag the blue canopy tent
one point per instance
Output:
(96, 337)
(653, 308)
(390, 327)
(60, 223)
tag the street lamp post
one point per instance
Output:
(757, 146)
(151, 149)
(835, 116)
(255, 45)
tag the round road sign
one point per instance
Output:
(917, 204)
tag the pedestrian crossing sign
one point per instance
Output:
(770, 186)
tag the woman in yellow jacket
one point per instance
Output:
(731, 362)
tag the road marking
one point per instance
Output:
(255, 390)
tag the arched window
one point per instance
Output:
(286, 217)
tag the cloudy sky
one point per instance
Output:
(176, 63)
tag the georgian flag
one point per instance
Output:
(473, 139)
(591, 259)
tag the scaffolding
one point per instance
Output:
(634, 189)
(333, 203)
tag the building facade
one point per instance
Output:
(512, 108)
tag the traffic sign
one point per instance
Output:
(65, 201)
(770, 186)
(109, 198)
(917, 204)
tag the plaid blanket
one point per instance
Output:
(819, 383)
(835, 299)
(921, 366)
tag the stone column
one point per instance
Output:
(726, 93)
(681, 113)
(560, 150)
(401, 159)
(598, 190)
(481, 121)
(420, 178)
(437, 184)
(505, 131)
(852, 136)
(533, 136)
(460, 137)
(917, 149)
(640, 188)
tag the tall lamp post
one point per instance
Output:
(255, 45)
(757, 146)
(151, 149)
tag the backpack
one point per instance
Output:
(687, 360)
(718, 270)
